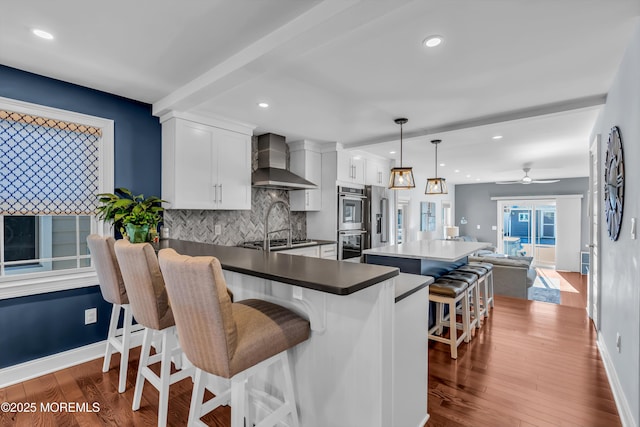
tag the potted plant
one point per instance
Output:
(134, 216)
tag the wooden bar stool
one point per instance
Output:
(474, 296)
(454, 294)
(230, 340)
(488, 282)
(113, 290)
(150, 304)
(481, 273)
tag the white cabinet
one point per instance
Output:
(310, 251)
(329, 251)
(205, 167)
(377, 172)
(350, 167)
(307, 164)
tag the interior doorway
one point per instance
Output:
(402, 221)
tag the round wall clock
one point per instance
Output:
(614, 183)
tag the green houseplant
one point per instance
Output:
(134, 216)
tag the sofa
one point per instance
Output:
(512, 275)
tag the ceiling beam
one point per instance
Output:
(524, 113)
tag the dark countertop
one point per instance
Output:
(325, 275)
(407, 284)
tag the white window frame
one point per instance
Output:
(17, 286)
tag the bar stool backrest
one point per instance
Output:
(145, 285)
(106, 265)
(203, 310)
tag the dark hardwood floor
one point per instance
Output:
(532, 364)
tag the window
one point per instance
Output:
(52, 164)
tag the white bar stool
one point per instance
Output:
(150, 304)
(488, 290)
(230, 340)
(113, 290)
(474, 296)
(454, 294)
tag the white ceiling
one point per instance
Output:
(535, 72)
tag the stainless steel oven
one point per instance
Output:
(351, 208)
(351, 244)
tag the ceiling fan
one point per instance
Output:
(527, 179)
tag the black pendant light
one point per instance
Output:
(436, 185)
(401, 178)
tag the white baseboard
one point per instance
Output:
(45, 365)
(626, 417)
(424, 421)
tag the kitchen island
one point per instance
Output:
(366, 360)
(426, 257)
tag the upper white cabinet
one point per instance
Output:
(350, 167)
(307, 163)
(204, 166)
(377, 172)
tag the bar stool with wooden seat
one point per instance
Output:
(229, 340)
(488, 282)
(474, 296)
(454, 294)
(481, 273)
(113, 291)
(150, 304)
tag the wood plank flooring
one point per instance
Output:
(532, 364)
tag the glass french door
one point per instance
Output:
(528, 228)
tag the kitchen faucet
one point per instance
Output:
(267, 233)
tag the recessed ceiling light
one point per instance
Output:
(497, 137)
(432, 41)
(457, 170)
(392, 152)
(468, 176)
(477, 179)
(42, 34)
(442, 164)
(263, 105)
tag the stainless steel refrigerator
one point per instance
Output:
(377, 220)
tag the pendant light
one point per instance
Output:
(436, 185)
(401, 178)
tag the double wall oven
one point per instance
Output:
(352, 206)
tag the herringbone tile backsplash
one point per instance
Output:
(237, 226)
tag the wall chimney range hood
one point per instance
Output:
(272, 166)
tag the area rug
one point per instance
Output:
(545, 289)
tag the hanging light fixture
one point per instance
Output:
(436, 185)
(401, 178)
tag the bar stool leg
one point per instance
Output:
(466, 330)
(453, 328)
(144, 359)
(477, 312)
(113, 326)
(126, 343)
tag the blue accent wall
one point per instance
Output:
(42, 325)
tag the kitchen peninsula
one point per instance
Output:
(366, 360)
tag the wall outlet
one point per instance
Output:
(217, 230)
(494, 227)
(299, 227)
(90, 316)
(618, 342)
(478, 226)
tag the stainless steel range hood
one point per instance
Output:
(272, 166)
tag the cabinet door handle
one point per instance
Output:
(307, 201)
(215, 193)
(220, 193)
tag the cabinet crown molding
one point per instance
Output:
(215, 121)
